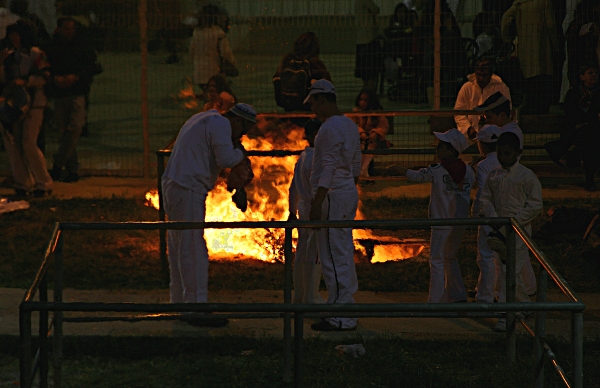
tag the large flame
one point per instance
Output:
(268, 201)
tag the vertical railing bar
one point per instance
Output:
(43, 334)
(57, 352)
(577, 348)
(287, 298)
(25, 336)
(298, 349)
(511, 339)
(162, 233)
(540, 330)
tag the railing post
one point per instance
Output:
(540, 330)
(162, 233)
(25, 339)
(287, 298)
(57, 352)
(577, 348)
(43, 333)
(298, 348)
(511, 339)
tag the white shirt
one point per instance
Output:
(336, 160)
(448, 199)
(483, 169)
(471, 95)
(300, 189)
(513, 192)
(202, 149)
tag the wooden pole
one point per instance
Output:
(143, 8)
(436, 54)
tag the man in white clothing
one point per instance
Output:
(335, 171)
(480, 85)
(207, 143)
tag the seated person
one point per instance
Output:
(480, 86)
(220, 96)
(372, 129)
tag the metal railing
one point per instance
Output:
(285, 310)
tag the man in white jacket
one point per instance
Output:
(207, 143)
(480, 85)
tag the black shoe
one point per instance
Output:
(21, 193)
(56, 173)
(39, 193)
(326, 326)
(207, 320)
(72, 177)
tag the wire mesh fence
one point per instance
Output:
(392, 42)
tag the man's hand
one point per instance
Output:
(317, 204)
(292, 217)
(471, 133)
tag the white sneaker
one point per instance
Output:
(500, 326)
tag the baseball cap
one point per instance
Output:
(492, 101)
(320, 87)
(455, 138)
(245, 111)
(488, 134)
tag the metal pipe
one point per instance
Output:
(577, 348)
(287, 299)
(43, 334)
(540, 330)
(298, 349)
(25, 380)
(162, 234)
(511, 338)
(30, 294)
(541, 258)
(57, 351)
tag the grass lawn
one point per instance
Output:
(129, 260)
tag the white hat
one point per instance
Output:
(455, 138)
(488, 133)
(320, 87)
(244, 110)
(492, 101)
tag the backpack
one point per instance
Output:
(295, 82)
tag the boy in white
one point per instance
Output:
(512, 190)
(451, 183)
(496, 111)
(335, 171)
(307, 268)
(486, 257)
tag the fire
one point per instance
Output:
(268, 201)
(188, 96)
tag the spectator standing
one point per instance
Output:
(481, 84)
(333, 178)
(297, 71)
(537, 47)
(307, 268)
(511, 190)
(451, 184)
(207, 143)
(487, 259)
(72, 65)
(372, 129)
(207, 46)
(368, 48)
(24, 66)
(220, 96)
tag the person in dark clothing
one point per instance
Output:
(72, 66)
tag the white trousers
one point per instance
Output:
(188, 255)
(486, 261)
(307, 268)
(446, 282)
(522, 272)
(27, 162)
(336, 252)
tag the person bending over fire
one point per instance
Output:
(207, 143)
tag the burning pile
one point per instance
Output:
(268, 201)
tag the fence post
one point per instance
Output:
(162, 233)
(43, 333)
(287, 298)
(511, 339)
(577, 348)
(25, 337)
(57, 352)
(540, 331)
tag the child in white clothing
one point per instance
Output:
(307, 268)
(512, 190)
(452, 181)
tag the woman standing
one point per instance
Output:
(24, 66)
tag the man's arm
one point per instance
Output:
(220, 141)
(462, 103)
(533, 202)
(315, 208)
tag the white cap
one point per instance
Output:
(244, 110)
(320, 87)
(489, 133)
(455, 138)
(492, 101)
